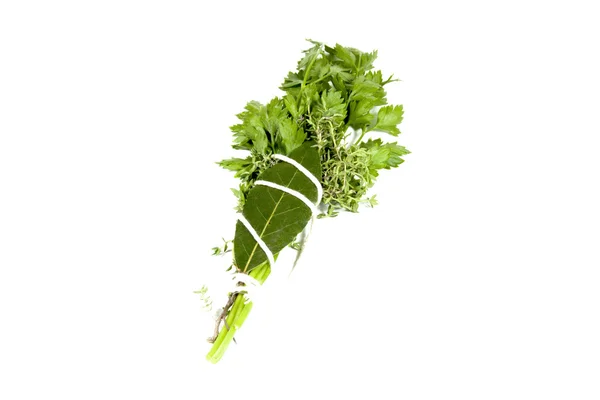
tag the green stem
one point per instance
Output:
(365, 130)
(307, 72)
(236, 317)
(327, 75)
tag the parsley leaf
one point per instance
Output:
(388, 118)
(291, 135)
(235, 164)
(384, 155)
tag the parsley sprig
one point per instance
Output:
(334, 99)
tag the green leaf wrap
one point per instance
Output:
(277, 217)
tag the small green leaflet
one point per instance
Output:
(235, 164)
(387, 119)
(383, 155)
(277, 217)
(291, 135)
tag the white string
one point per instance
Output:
(292, 192)
(306, 172)
(247, 279)
(313, 207)
(249, 288)
(258, 239)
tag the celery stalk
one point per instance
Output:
(235, 318)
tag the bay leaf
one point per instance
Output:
(277, 217)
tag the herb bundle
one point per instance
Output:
(307, 157)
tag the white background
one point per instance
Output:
(476, 277)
